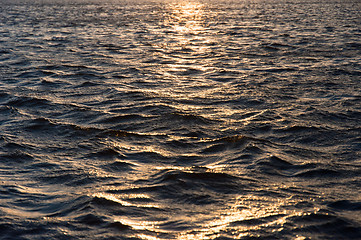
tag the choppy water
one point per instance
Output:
(180, 120)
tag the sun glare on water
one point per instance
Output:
(187, 17)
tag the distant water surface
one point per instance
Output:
(180, 119)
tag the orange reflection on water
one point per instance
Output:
(240, 216)
(248, 214)
(187, 17)
(186, 21)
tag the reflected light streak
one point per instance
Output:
(124, 203)
(187, 17)
(187, 21)
(246, 215)
(138, 148)
(247, 208)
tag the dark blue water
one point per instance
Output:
(180, 119)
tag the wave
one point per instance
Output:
(160, 120)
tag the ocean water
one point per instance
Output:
(180, 119)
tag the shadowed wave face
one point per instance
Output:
(180, 119)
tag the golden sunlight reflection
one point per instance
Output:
(187, 17)
(138, 225)
(129, 203)
(186, 21)
(246, 214)
(138, 148)
(249, 213)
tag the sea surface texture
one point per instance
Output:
(180, 119)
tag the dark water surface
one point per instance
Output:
(180, 119)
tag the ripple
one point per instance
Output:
(179, 120)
